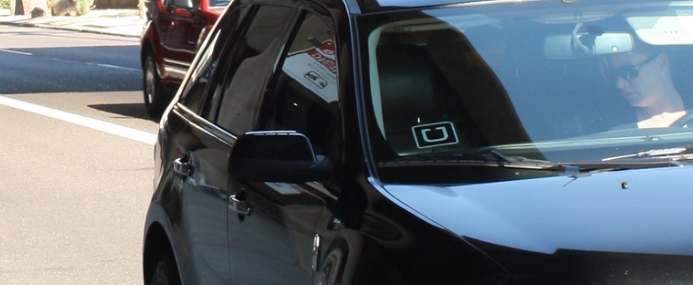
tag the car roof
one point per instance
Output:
(371, 6)
(375, 6)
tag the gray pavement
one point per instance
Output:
(118, 22)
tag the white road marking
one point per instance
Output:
(70, 61)
(114, 129)
(116, 67)
(15, 52)
(94, 64)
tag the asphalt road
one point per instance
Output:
(76, 158)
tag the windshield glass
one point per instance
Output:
(551, 81)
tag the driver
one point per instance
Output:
(643, 76)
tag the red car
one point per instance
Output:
(174, 31)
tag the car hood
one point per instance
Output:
(631, 211)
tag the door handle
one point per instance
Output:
(182, 168)
(241, 206)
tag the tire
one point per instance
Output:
(166, 272)
(155, 97)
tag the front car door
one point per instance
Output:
(235, 101)
(275, 242)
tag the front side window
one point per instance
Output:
(536, 86)
(253, 59)
(305, 97)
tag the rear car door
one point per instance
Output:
(199, 156)
(274, 242)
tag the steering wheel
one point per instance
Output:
(683, 121)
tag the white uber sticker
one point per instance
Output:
(435, 134)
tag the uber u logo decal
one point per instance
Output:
(435, 134)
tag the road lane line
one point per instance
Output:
(15, 52)
(94, 64)
(71, 61)
(111, 128)
(117, 67)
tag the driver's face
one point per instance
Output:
(638, 76)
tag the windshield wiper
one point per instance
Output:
(493, 158)
(672, 154)
(487, 157)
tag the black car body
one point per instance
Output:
(425, 142)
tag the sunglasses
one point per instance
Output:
(629, 72)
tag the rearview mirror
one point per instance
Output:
(277, 156)
(585, 44)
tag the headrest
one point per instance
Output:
(407, 81)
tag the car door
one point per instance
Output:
(162, 19)
(274, 242)
(179, 46)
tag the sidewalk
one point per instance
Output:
(118, 22)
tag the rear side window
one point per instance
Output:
(305, 97)
(197, 87)
(194, 90)
(253, 59)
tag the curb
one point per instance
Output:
(127, 28)
(82, 30)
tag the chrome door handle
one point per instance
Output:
(181, 167)
(242, 207)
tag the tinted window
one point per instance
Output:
(305, 95)
(253, 59)
(193, 95)
(194, 91)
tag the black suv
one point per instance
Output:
(430, 142)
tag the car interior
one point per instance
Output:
(433, 73)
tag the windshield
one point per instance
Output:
(551, 81)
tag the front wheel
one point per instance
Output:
(155, 97)
(166, 272)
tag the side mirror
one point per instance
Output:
(585, 44)
(277, 156)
